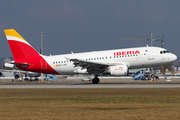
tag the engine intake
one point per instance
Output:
(17, 76)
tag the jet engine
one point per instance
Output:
(16, 75)
(118, 70)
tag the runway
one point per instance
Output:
(89, 85)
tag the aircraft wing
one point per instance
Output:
(92, 67)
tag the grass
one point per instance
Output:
(84, 104)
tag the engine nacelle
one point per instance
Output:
(16, 75)
(118, 70)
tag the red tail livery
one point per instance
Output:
(25, 56)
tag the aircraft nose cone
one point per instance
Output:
(173, 57)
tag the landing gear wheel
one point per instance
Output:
(95, 80)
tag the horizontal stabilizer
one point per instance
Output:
(21, 64)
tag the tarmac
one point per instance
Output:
(123, 82)
(117, 85)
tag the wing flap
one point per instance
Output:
(91, 66)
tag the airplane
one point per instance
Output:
(17, 72)
(116, 62)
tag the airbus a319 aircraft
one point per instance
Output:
(116, 62)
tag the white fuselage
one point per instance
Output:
(133, 57)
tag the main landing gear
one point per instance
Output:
(95, 80)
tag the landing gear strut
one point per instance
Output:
(95, 80)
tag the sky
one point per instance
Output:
(90, 25)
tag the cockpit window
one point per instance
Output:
(164, 52)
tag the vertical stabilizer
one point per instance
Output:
(20, 48)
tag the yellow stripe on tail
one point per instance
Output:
(12, 32)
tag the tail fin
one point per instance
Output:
(20, 48)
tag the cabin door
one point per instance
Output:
(150, 54)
